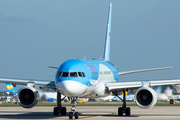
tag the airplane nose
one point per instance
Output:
(71, 88)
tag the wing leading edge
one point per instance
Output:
(119, 86)
(47, 84)
(144, 70)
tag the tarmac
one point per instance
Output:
(92, 113)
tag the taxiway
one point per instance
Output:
(92, 113)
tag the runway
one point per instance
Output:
(91, 113)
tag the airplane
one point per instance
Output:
(50, 96)
(81, 78)
(11, 88)
(128, 98)
(107, 98)
(111, 97)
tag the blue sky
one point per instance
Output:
(38, 34)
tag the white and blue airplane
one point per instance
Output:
(79, 78)
(11, 88)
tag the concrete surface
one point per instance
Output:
(91, 113)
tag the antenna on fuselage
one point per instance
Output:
(108, 36)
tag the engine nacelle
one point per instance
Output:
(145, 97)
(28, 97)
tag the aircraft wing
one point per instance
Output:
(47, 84)
(119, 86)
(144, 70)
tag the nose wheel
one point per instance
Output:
(73, 109)
(76, 115)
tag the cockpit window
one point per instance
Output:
(70, 74)
(73, 74)
(64, 74)
(83, 74)
(58, 74)
(80, 74)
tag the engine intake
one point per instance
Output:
(145, 97)
(28, 97)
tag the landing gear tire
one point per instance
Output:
(56, 111)
(63, 111)
(70, 115)
(76, 115)
(123, 109)
(128, 111)
(120, 111)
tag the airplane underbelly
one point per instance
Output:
(95, 91)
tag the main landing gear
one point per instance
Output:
(123, 109)
(73, 109)
(59, 108)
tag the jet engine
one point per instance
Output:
(28, 97)
(145, 97)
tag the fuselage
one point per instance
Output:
(85, 78)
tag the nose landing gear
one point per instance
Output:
(73, 109)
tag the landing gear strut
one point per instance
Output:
(123, 109)
(59, 108)
(73, 109)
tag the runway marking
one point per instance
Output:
(111, 102)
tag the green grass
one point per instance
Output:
(167, 104)
(88, 104)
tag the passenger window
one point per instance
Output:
(73, 74)
(64, 74)
(80, 74)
